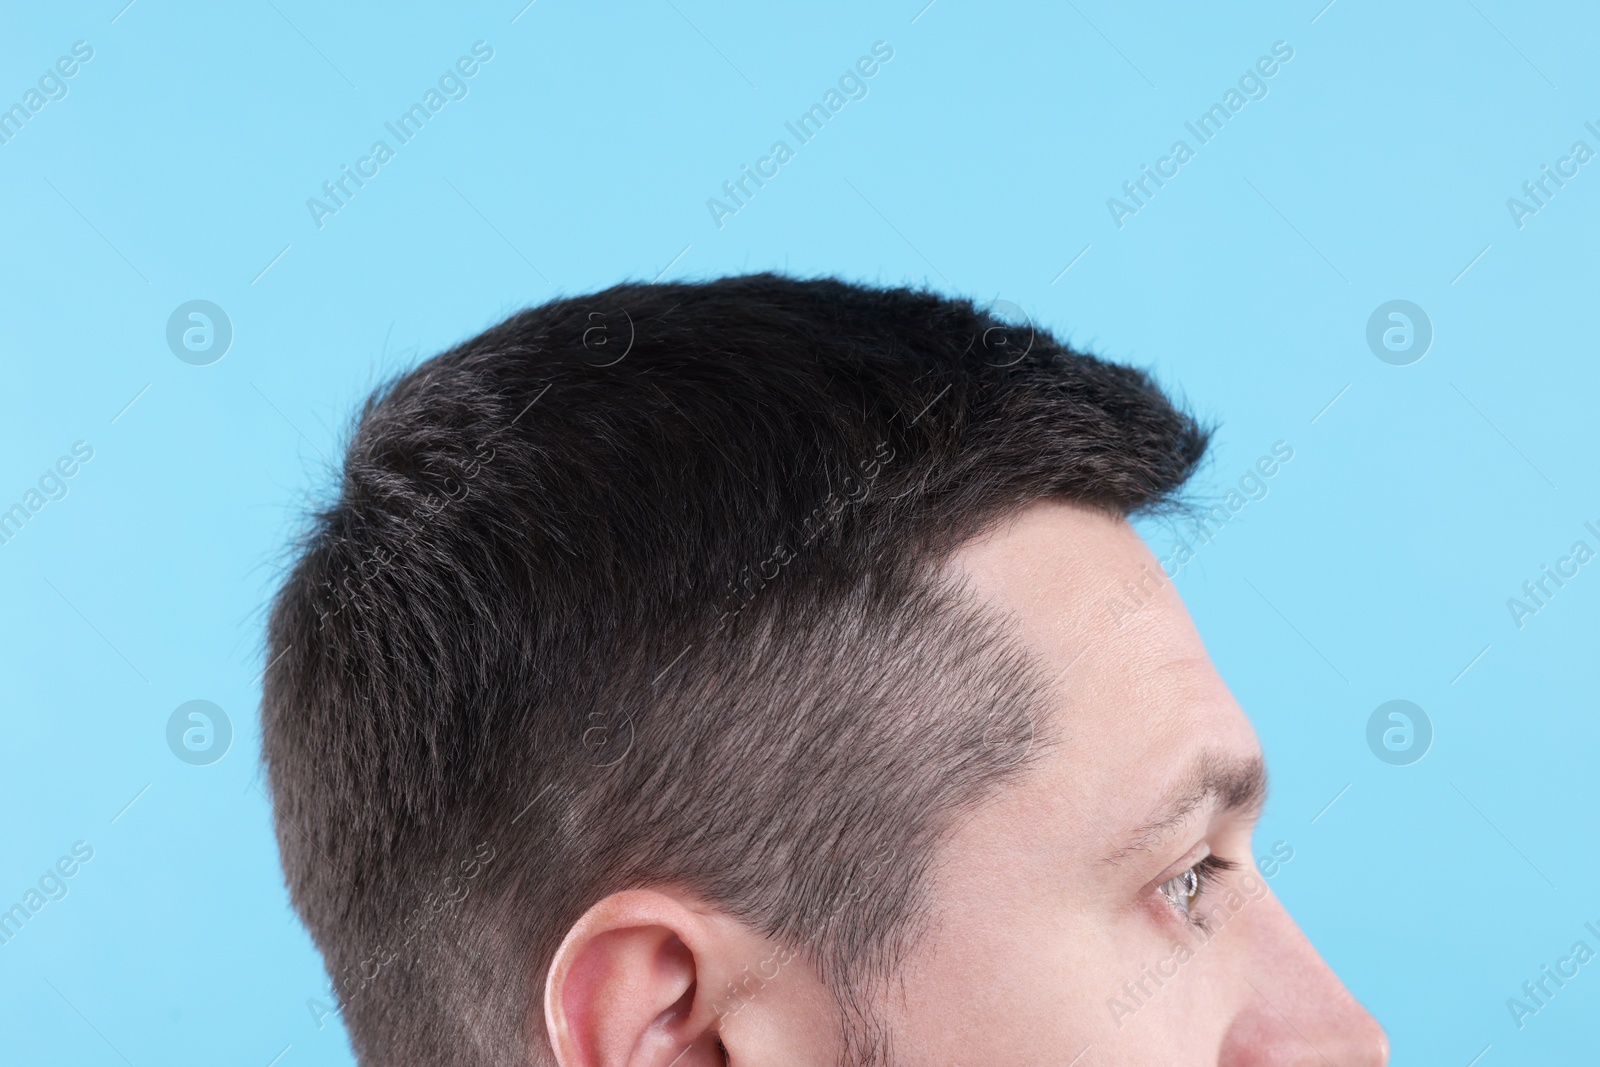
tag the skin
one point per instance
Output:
(1050, 939)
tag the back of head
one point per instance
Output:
(642, 588)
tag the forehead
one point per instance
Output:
(1136, 697)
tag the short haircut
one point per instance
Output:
(643, 588)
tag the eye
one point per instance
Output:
(1184, 890)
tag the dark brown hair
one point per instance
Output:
(642, 588)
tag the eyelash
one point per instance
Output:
(1183, 900)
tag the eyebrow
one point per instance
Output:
(1231, 783)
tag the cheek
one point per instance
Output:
(1012, 975)
(1171, 1000)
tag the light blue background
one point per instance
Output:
(1378, 567)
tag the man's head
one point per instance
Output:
(690, 673)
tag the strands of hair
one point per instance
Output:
(643, 587)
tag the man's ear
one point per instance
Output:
(635, 983)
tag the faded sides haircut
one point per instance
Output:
(643, 588)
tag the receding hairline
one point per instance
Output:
(437, 668)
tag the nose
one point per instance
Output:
(1294, 1011)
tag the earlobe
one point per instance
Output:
(623, 990)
